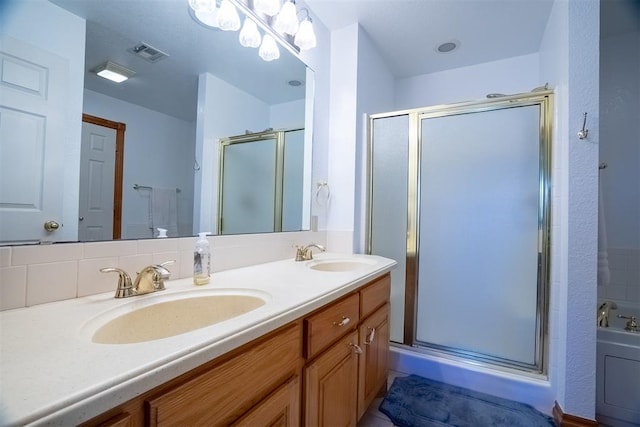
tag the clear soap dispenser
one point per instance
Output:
(201, 260)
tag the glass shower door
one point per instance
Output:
(480, 182)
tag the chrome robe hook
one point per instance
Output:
(582, 134)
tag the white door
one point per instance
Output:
(33, 88)
(97, 171)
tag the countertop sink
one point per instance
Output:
(339, 265)
(164, 316)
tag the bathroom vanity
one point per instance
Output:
(314, 354)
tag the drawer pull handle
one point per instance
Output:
(356, 348)
(345, 321)
(371, 336)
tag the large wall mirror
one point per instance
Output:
(194, 87)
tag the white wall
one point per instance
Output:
(507, 76)
(158, 152)
(375, 95)
(52, 28)
(620, 149)
(223, 111)
(569, 61)
(343, 137)
(318, 60)
(288, 115)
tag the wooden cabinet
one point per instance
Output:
(331, 385)
(373, 336)
(342, 377)
(280, 409)
(261, 376)
(321, 370)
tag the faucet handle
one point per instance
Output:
(125, 288)
(163, 273)
(632, 324)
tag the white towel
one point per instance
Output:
(163, 210)
(604, 275)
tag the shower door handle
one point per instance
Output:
(371, 336)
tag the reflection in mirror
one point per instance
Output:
(174, 111)
(261, 179)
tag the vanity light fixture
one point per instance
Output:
(286, 21)
(267, 7)
(202, 5)
(269, 49)
(305, 38)
(114, 72)
(228, 18)
(249, 35)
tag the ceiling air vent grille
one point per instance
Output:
(148, 52)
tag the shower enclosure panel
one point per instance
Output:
(262, 182)
(459, 196)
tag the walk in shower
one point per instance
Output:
(459, 196)
(261, 182)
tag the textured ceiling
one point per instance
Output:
(407, 32)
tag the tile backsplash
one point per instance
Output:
(38, 274)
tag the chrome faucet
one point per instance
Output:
(305, 254)
(150, 279)
(603, 313)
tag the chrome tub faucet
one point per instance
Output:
(305, 253)
(150, 279)
(603, 313)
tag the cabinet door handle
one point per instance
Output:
(371, 336)
(345, 321)
(356, 348)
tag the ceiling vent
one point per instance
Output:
(148, 52)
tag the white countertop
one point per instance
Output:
(51, 373)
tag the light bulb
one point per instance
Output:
(269, 49)
(305, 37)
(208, 17)
(249, 35)
(202, 5)
(268, 7)
(228, 19)
(287, 20)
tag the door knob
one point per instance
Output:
(51, 226)
(81, 218)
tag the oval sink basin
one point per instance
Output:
(338, 266)
(171, 315)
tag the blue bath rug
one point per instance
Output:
(414, 401)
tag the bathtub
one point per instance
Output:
(618, 371)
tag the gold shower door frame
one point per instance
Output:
(545, 101)
(278, 188)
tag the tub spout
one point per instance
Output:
(603, 313)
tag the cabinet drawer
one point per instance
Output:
(220, 395)
(328, 325)
(374, 295)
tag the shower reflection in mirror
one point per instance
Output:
(261, 182)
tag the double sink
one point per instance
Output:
(163, 315)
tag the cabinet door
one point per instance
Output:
(221, 395)
(280, 409)
(373, 362)
(331, 385)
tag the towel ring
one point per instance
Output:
(322, 185)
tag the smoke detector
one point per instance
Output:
(148, 52)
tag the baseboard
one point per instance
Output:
(566, 420)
